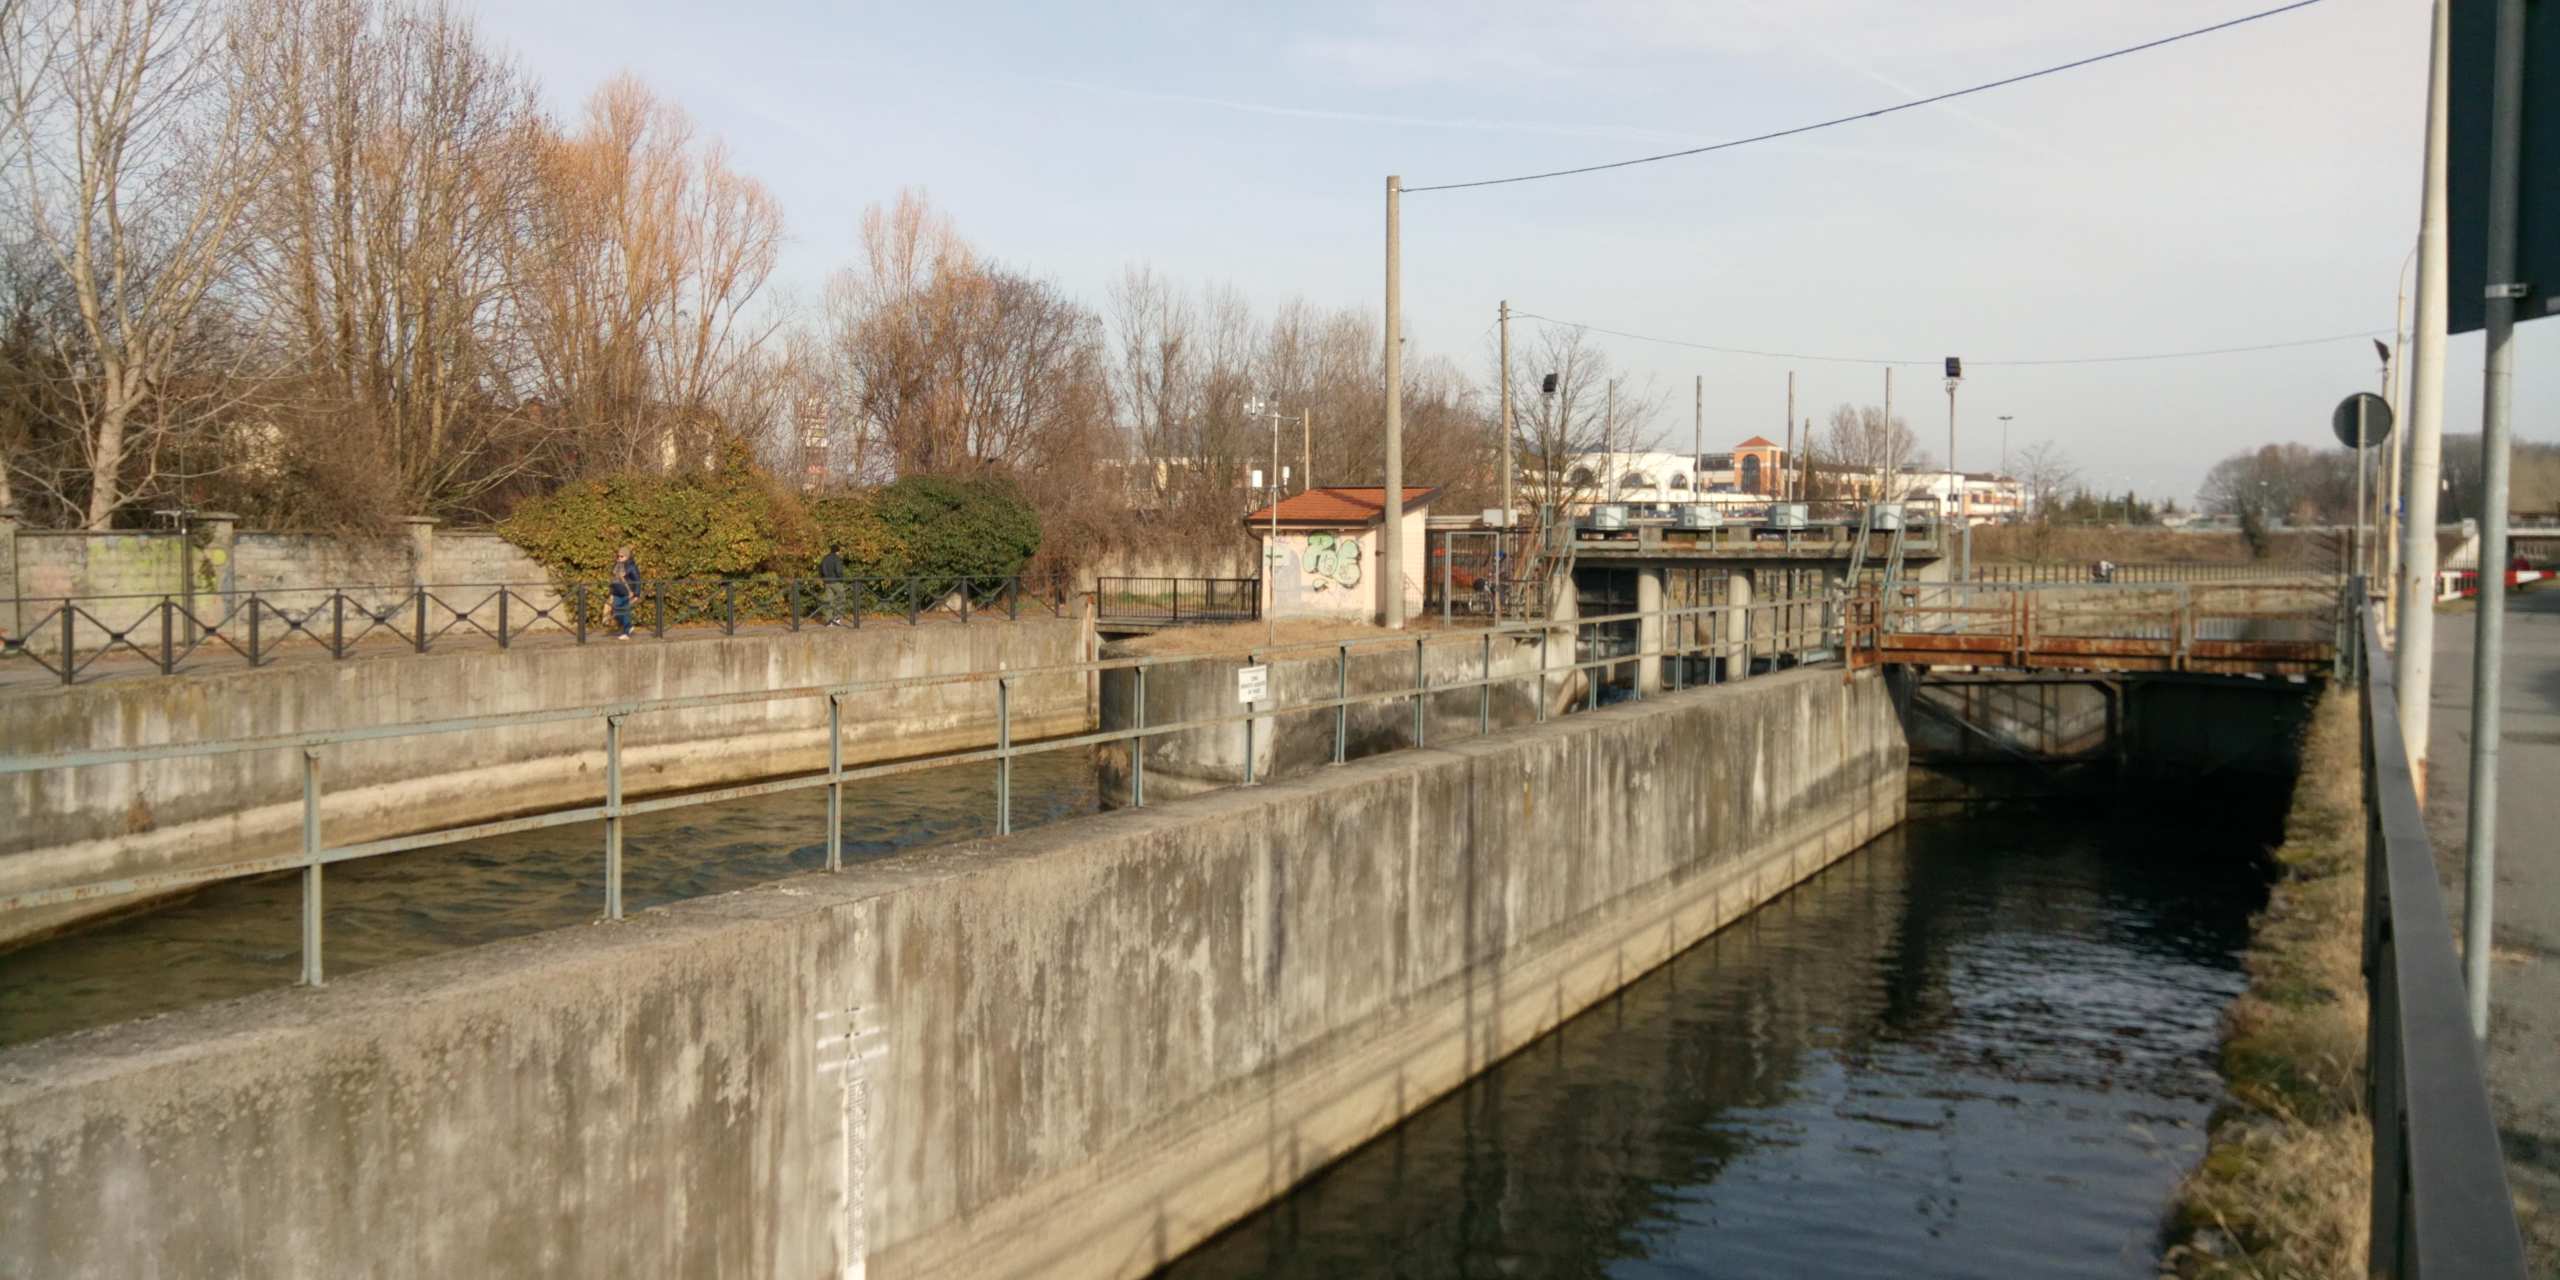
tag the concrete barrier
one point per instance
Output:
(1075, 1052)
(78, 825)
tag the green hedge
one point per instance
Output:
(734, 522)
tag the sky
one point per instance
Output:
(2255, 186)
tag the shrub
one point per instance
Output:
(947, 529)
(726, 522)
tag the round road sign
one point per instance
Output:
(2377, 419)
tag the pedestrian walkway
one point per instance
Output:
(2524, 1009)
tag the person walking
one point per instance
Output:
(831, 573)
(625, 589)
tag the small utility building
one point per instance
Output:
(1330, 551)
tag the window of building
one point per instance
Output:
(1679, 481)
(1579, 475)
(1751, 473)
(1635, 480)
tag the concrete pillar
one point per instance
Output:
(422, 549)
(1649, 630)
(1737, 623)
(9, 589)
(211, 570)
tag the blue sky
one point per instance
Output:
(2255, 186)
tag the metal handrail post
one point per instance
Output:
(338, 625)
(1421, 699)
(1341, 704)
(1484, 691)
(418, 636)
(503, 593)
(1249, 660)
(311, 899)
(613, 817)
(1004, 755)
(1138, 746)
(835, 782)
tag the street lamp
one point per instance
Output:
(1261, 408)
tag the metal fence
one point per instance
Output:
(2440, 1201)
(1703, 644)
(1177, 601)
(67, 635)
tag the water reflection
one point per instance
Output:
(245, 936)
(1979, 1047)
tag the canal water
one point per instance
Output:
(245, 936)
(1979, 1047)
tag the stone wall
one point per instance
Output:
(1074, 1052)
(78, 825)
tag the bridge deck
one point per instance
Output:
(2234, 629)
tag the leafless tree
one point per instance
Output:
(2046, 471)
(1560, 438)
(1857, 437)
(397, 158)
(638, 280)
(134, 176)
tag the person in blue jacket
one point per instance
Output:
(625, 587)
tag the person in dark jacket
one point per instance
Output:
(625, 589)
(831, 573)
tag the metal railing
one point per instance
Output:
(1177, 601)
(2066, 572)
(2440, 1201)
(2254, 627)
(66, 636)
(1705, 644)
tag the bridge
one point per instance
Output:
(1076, 1049)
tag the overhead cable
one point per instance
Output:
(1950, 95)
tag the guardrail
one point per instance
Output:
(68, 635)
(1707, 641)
(1177, 601)
(2440, 1201)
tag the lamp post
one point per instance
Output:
(1260, 408)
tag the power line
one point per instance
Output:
(1880, 111)
(1984, 364)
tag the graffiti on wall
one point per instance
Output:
(1331, 560)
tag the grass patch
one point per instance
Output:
(2285, 1185)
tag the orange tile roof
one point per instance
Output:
(1758, 442)
(1336, 506)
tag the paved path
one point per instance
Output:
(2524, 984)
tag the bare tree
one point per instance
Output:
(397, 163)
(1561, 439)
(135, 179)
(2045, 470)
(1858, 437)
(638, 279)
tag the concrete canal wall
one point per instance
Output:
(1074, 1052)
(79, 825)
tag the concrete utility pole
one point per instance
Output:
(1306, 450)
(2417, 637)
(1698, 434)
(1502, 534)
(1391, 557)
(2497, 406)
(2398, 394)
(1885, 442)
(1955, 476)
(1787, 473)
